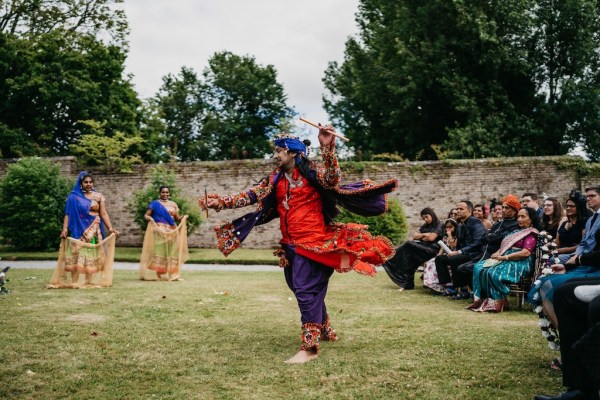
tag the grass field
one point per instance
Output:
(132, 254)
(225, 335)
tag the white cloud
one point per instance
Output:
(298, 38)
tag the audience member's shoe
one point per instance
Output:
(496, 306)
(475, 306)
(462, 294)
(449, 291)
(570, 395)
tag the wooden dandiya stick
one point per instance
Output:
(339, 135)
(206, 201)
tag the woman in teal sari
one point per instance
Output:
(492, 277)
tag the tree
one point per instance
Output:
(112, 154)
(180, 107)
(466, 78)
(246, 106)
(566, 49)
(32, 195)
(52, 82)
(34, 18)
(62, 62)
(392, 224)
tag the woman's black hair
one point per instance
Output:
(580, 202)
(429, 211)
(86, 176)
(307, 144)
(535, 221)
(452, 222)
(163, 187)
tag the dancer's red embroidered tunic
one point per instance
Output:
(343, 247)
(302, 224)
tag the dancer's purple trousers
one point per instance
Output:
(308, 280)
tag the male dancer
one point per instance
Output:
(304, 195)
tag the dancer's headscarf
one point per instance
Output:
(77, 208)
(290, 142)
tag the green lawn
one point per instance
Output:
(225, 335)
(132, 254)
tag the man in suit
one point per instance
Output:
(469, 248)
(491, 241)
(531, 200)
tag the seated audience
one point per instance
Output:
(491, 241)
(542, 292)
(469, 248)
(401, 268)
(492, 277)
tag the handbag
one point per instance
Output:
(490, 262)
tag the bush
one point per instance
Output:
(392, 224)
(160, 176)
(33, 196)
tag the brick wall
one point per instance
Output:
(437, 184)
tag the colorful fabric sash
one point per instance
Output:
(160, 214)
(512, 238)
(78, 210)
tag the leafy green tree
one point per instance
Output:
(152, 128)
(180, 107)
(62, 62)
(392, 224)
(246, 106)
(33, 195)
(468, 78)
(99, 18)
(112, 154)
(161, 176)
(566, 52)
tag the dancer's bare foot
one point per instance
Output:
(302, 357)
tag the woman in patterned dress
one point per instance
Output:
(85, 249)
(165, 243)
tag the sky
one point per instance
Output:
(299, 38)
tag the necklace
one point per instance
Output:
(292, 184)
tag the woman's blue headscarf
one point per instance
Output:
(78, 210)
(160, 213)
